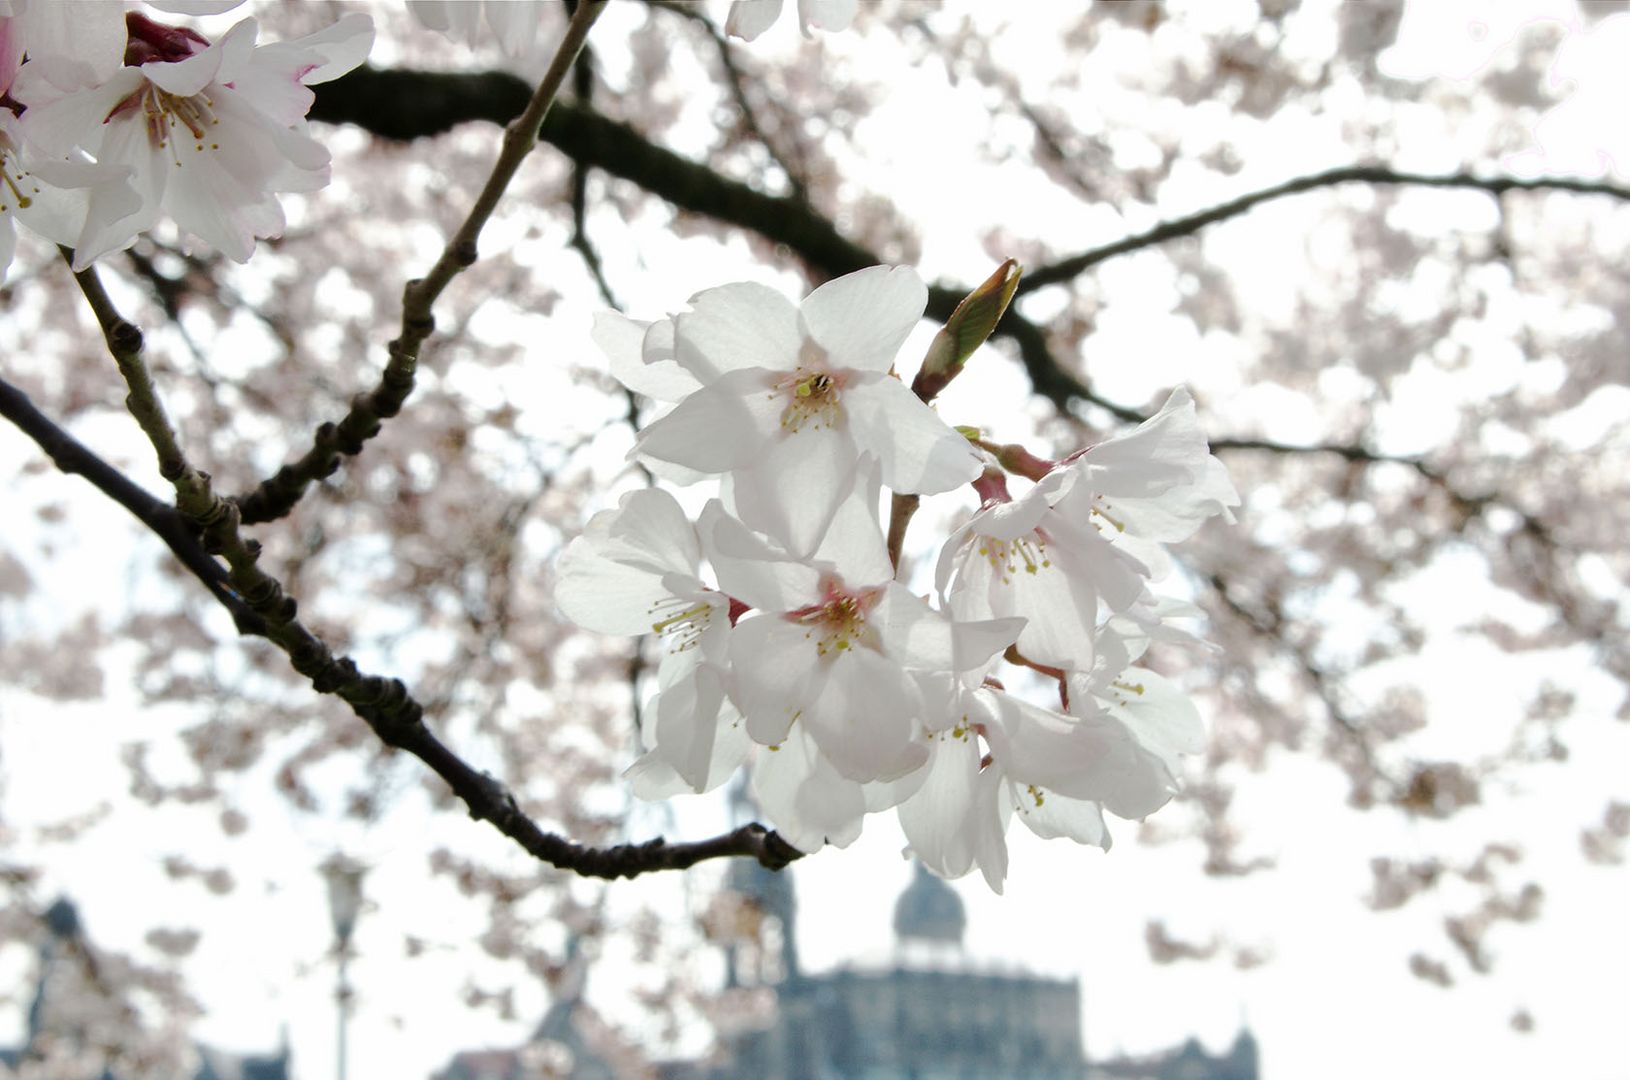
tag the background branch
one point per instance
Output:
(1065, 269)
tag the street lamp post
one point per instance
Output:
(344, 877)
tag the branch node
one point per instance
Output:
(125, 337)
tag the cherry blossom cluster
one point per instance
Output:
(798, 651)
(110, 121)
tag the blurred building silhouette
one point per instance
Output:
(928, 1011)
(55, 1011)
(563, 1043)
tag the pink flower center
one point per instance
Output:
(839, 622)
(164, 112)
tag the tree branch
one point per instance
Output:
(1066, 269)
(74, 457)
(278, 495)
(385, 704)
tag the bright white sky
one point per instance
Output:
(1333, 1002)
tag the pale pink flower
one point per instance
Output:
(209, 133)
(996, 756)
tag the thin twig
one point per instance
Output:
(277, 495)
(737, 82)
(1065, 269)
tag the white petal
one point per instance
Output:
(826, 14)
(776, 671)
(750, 569)
(854, 543)
(936, 819)
(920, 638)
(862, 319)
(1051, 816)
(184, 78)
(651, 522)
(750, 18)
(1011, 520)
(194, 7)
(861, 715)
(1163, 451)
(57, 124)
(623, 340)
(1090, 756)
(742, 325)
(796, 484)
(989, 818)
(721, 427)
(919, 452)
(652, 777)
(76, 43)
(1161, 716)
(8, 244)
(614, 579)
(804, 797)
(515, 23)
(688, 723)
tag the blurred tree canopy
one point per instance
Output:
(1403, 326)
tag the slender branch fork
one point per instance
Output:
(278, 495)
(203, 526)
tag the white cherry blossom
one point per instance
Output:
(1023, 558)
(1000, 756)
(1155, 485)
(634, 571)
(789, 398)
(834, 642)
(71, 43)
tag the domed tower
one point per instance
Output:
(929, 910)
(773, 912)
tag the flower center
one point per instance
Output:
(1008, 557)
(681, 622)
(813, 398)
(166, 112)
(15, 179)
(838, 623)
(1101, 508)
